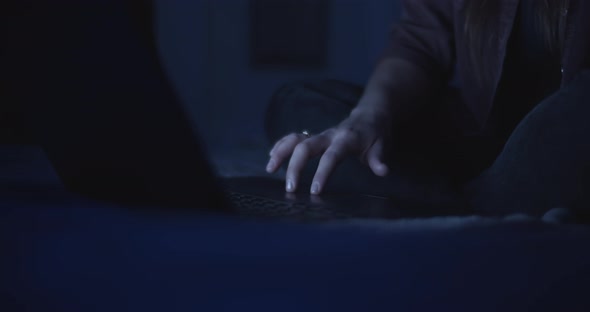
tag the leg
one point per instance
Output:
(546, 162)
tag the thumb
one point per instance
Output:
(374, 159)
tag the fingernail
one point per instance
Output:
(290, 185)
(315, 188)
(270, 166)
(381, 170)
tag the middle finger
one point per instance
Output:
(303, 152)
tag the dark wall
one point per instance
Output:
(205, 47)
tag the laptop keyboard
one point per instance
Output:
(252, 205)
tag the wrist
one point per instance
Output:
(373, 106)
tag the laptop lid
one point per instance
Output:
(99, 103)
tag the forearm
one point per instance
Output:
(396, 90)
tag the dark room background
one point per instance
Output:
(206, 49)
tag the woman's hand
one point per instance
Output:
(362, 134)
(396, 88)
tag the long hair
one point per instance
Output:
(550, 24)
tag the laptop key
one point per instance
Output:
(252, 205)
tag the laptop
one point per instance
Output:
(109, 121)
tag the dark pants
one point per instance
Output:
(543, 165)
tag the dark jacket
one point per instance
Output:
(431, 35)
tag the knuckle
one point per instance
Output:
(303, 148)
(348, 134)
(332, 155)
(284, 149)
(291, 137)
(277, 145)
(281, 154)
(329, 132)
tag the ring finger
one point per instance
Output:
(282, 149)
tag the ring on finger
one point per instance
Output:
(306, 133)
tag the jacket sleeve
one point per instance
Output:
(425, 36)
